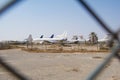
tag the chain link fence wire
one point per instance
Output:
(115, 49)
(4, 64)
(8, 5)
(93, 76)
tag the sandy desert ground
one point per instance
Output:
(58, 66)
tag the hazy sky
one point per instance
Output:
(46, 17)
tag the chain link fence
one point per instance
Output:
(99, 69)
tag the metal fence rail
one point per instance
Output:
(99, 69)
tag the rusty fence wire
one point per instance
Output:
(99, 69)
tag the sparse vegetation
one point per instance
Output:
(4, 46)
(58, 48)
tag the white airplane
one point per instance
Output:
(52, 39)
(106, 38)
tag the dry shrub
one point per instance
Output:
(72, 70)
(60, 50)
(54, 48)
(75, 69)
(97, 57)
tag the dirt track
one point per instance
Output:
(58, 66)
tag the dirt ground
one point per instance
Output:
(58, 66)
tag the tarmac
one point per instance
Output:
(58, 66)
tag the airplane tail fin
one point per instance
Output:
(52, 36)
(30, 39)
(64, 35)
(41, 36)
